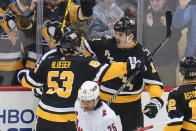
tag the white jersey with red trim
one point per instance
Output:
(101, 119)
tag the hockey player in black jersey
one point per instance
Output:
(53, 16)
(61, 72)
(128, 103)
(181, 105)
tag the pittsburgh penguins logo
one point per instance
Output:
(10, 28)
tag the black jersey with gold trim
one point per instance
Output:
(57, 12)
(106, 51)
(181, 108)
(61, 78)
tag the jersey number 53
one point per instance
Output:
(65, 89)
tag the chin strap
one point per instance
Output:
(96, 101)
(129, 41)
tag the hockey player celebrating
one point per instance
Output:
(92, 113)
(128, 103)
(181, 103)
(61, 72)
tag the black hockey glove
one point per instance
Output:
(87, 7)
(152, 108)
(135, 64)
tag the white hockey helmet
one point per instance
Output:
(88, 91)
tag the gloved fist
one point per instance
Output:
(134, 64)
(152, 108)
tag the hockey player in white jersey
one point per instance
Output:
(92, 113)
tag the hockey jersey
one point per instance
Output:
(53, 16)
(101, 119)
(181, 108)
(61, 78)
(106, 51)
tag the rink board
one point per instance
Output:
(17, 107)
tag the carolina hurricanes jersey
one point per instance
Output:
(101, 119)
(61, 78)
(106, 51)
(181, 108)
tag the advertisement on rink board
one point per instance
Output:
(18, 105)
(17, 110)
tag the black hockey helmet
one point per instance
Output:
(126, 25)
(69, 40)
(188, 67)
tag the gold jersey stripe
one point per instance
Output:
(55, 117)
(189, 126)
(2, 12)
(73, 12)
(30, 64)
(13, 7)
(172, 128)
(45, 34)
(116, 69)
(154, 90)
(25, 83)
(11, 66)
(81, 14)
(120, 99)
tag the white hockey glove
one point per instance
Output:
(152, 108)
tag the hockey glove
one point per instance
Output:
(152, 108)
(135, 64)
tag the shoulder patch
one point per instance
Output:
(107, 37)
(94, 63)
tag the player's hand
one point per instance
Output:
(152, 108)
(134, 63)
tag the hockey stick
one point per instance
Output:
(168, 15)
(150, 126)
(64, 19)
